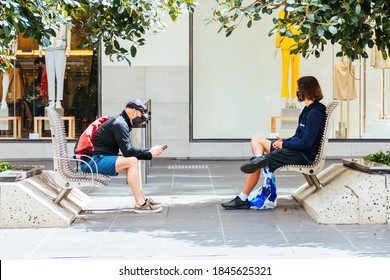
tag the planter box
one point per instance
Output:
(367, 166)
(20, 172)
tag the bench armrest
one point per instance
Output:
(83, 161)
(78, 158)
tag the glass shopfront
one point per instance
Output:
(239, 81)
(25, 90)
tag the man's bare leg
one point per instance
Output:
(131, 166)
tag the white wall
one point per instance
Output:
(159, 72)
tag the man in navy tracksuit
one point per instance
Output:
(299, 149)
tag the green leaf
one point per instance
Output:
(108, 50)
(332, 30)
(7, 31)
(257, 17)
(133, 51)
(320, 31)
(5, 166)
(116, 44)
(290, 9)
(358, 9)
(268, 11)
(310, 17)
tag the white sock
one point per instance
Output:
(243, 196)
(258, 155)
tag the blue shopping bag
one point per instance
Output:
(265, 196)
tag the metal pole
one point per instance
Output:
(362, 97)
(148, 132)
(383, 93)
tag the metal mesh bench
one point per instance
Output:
(310, 171)
(64, 174)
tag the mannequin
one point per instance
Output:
(286, 44)
(12, 86)
(378, 62)
(5, 84)
(344, 90)
(344, 81)
(57, 49)
(4, 108)
(42, 80)
(6, 80)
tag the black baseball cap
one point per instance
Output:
(139, 106)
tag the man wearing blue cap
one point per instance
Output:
(111, 136)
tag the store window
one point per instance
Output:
(25, 90)
(237, 82)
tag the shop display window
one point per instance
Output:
(24, 90)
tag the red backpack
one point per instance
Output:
(84, 144)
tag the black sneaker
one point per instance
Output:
(253, 164)
(236, 203)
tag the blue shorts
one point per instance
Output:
(105, 165)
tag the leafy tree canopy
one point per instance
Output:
(354, 25)
(104, 21)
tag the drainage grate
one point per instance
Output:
(191, 166)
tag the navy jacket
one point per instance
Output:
(307, 137)
(114, 136)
